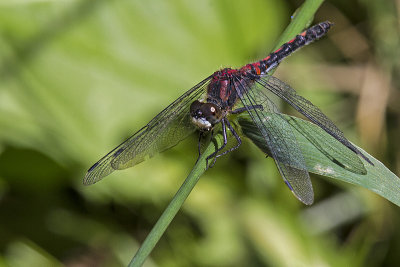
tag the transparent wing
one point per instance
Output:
(306, 108)
(165, 130)
(279, 137)
(333, 150)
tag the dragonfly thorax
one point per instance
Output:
(221, 90)
(205, 115)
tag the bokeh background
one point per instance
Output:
(77, 77)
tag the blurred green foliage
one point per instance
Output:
(77, 77)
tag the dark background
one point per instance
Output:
(78, 77)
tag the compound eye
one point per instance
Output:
(196, 107)
(208, 109)
(211, 112)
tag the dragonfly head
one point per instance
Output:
(205, 115)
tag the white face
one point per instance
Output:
(204, 115)
(202, 123)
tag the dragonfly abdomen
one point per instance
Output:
(272, 60)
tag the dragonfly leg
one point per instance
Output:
(199, 144)
(225, 123)
(211, 137)
(239, 141)
(243, 109)
(215, 154)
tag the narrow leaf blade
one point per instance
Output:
(326, 156)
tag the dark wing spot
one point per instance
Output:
(94, 166)
(290, 187)
(119, 151)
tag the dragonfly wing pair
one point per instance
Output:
(306, 108)
(167, 129)
(278, 133)
(279, 137)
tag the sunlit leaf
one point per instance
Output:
(324, 155)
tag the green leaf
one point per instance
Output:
(304, 15)
(324, 155)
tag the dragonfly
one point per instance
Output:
(212, 103)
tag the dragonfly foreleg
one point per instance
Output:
(215, 154)
(239, 141)
(199, 144)
(225, 123)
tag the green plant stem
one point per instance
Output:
(300, 21)
(173, 207)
